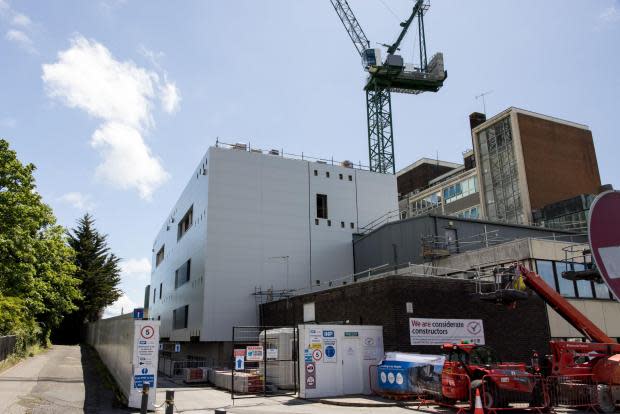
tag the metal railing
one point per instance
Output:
(7, 346)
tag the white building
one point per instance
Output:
(250, 220)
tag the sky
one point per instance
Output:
(115, 101)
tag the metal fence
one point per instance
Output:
(573, 391)
(265, 362)
(7, 346)
(513, 392)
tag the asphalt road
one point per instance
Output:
(65, 379)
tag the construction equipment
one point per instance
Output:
(470, 369)
(390, 75)
(600, 357)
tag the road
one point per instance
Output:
(65, 379)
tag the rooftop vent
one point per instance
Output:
(274, 152)
(240, 146)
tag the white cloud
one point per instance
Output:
(121, 94)
(135, 275)
(127, 161)
(21, 20)
(610, 14)
(4, 6)
(123, 305)
(21, 39)
(78, 200)
(137, 269)
(170, 97)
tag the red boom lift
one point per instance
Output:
(599, 358)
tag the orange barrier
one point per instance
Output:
(513, 392)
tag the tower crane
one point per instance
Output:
(390, 75)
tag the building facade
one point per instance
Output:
(525, 168)
(249, 223)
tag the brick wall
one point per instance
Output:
(514, 333)
(419, 177)
(560, 160)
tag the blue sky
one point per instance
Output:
(115, 101)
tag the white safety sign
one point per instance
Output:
(144, 363)
(425, 331)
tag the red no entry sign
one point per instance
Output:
(604, 234)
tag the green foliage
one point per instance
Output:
(97, 268)
(37, 287)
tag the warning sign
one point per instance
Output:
(254, 353)
(147, 332)
(317, 354)
(310, 375)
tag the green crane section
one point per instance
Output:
(390, 75)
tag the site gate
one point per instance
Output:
(264, 362)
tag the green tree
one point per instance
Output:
(36, 264)
(97, 268)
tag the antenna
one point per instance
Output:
(484, 102)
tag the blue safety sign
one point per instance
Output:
(330, 351)
(140, 380)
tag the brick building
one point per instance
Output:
(514, 333)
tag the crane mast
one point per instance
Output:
(391, 75)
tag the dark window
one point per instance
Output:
(179, 317)
(316, 221)
(350, 178)
(352, 225)
(161, 288)
(185, 223)
(340, 176)
(342, 224)
(329, 223)
(182, 274)
(327, 174)
(160, 256)
(321, 206)
(159, 317)
(154, 295)
(316, 173)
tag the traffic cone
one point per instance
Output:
(478, 407)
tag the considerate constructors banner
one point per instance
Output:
(426, 331)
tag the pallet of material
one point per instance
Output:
(245, 382)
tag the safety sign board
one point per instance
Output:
(239, 363)
(254, 353)
(330, 353)
(272, 353)
(317, 354)
(328, 334)
(310, 375)
(239, 352)
(604, 235)
(140, 380)
(307, 355)
(424, 331)
(177, 347)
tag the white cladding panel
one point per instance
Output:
(260, 209)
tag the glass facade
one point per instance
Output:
(461, 189)
(551, 272)
(500, 178)
(473, 212)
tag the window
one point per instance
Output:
(321, 206)
(185, 223)
(551, 272)
(161, 288)
(461, 189)
(182, 274)
(179, 317)
(160, 256)
(545, 270)
(342, 224)
(329, 223)
(316, 221)
(340, 176)
(327, 174)
(566, 287)
(352, 225)
(350, 178)
(316, 173)
(154, 294)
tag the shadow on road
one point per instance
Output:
(100, 394)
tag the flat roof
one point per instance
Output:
(430, 161)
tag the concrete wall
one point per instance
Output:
(250, 210)
(401, 242)
(113, 340)
(383, 302)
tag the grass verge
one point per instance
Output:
(14, 359)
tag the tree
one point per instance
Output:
(97, 268)
(37, 287)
